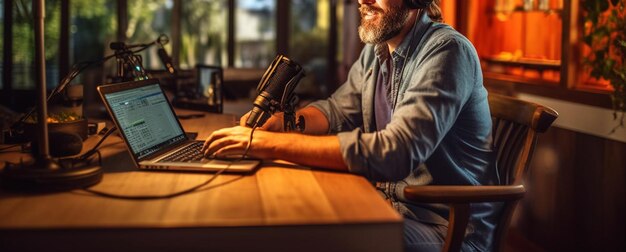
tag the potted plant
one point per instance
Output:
(68, 122)
(605, 34)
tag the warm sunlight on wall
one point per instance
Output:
(448, 11)
(514, 39)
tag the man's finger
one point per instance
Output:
(221, 133)
(231, 150)
(218, 144)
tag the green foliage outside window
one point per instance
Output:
(23, 35)
(605, 34)
(203, 36)
(93, 25)
(23, 47)
(147, 19)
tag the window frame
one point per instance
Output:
(282, 38)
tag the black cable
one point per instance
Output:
(153, 197)
(245, 152)
(179, 193)
(95, 148)
(72, 162)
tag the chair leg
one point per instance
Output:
(459, 217)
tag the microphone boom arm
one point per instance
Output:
(288, 104)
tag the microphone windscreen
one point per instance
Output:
(277, 82)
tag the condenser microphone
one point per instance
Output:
(275, 90)
(166, 60)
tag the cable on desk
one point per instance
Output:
(95, 148)
(179, 193)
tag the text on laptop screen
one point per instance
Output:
(145, 119)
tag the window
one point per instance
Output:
(603, 33)
(23, 76)
(205, 36)
(92, 28)
(255, 33)
(309, 44)
(203, 33)
(531, 47)
(518, 40)
(147, 19)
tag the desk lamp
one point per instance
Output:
(44, 173)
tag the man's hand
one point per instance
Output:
(274, 123)
(317, 151)
(233, 142)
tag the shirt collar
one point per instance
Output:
(421, 23)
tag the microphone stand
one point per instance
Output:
(129, 66)
(45, 174)
(289, 119)
(288, 105)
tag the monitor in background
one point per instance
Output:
(210, 79)
(203, 91)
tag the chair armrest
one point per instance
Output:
(463, 194)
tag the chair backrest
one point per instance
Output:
(515, 127)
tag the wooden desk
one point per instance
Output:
(281, 207)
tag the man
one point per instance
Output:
(413, 111)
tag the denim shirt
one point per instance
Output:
(440, 127)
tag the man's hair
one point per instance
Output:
(434, 11)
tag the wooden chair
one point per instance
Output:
(515, 127)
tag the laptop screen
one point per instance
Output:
(146, 119)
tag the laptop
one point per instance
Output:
(153, 134)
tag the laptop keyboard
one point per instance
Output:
(191, 153)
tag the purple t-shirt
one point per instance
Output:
(382, 106)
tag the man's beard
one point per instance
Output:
(385, 26)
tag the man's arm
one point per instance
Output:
(316, 122)
(317, 151)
